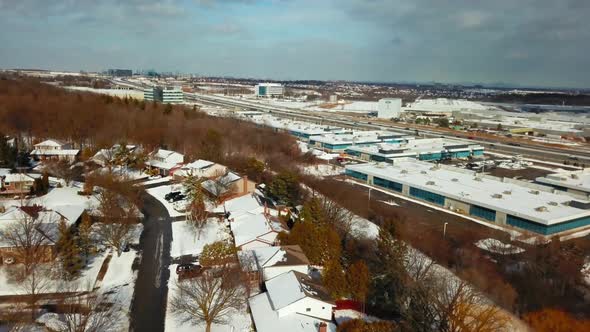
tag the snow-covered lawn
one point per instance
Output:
(321, 170)
(159, 193)
(342, 316)
(498, 247)
(324, 155)
(363, 228)
(85, 282)
(155, 180)
(237, 320)
(186, 242)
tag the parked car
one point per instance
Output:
(178, 197)
(187, 271)
(169, 196)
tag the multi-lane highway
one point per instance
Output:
(547, 153)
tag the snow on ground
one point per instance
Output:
(391, 203)
(498, 247)
(345, 315)
(186, 242)
(322, 170)
(303, 146)
(159, 193)
(237, 320)
(324, 155)
(362, 227)
(586, 271)
(85, 282)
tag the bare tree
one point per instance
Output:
(117, 210)
(211, 297)
(63, 169)
(90, 312)
(221, 187)
(196, 211)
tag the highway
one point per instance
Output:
(534, 151)
(545, 153)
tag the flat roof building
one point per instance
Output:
(340, 142)
(389, 108)
(422, 149)
(269, 90)
(166, 95)
(502, 201)
(573, 182)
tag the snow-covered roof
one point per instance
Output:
(48, 221)
(290, 287)
(267, 320)
(56, 152)
(18, 177)
(273, 256)
(518, 199)
(199, 164)
(576, 180)
(249, 227)
(416, 147)
(51, 142)
(241, 205)
(165, 159)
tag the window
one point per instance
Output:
(482, 212)
(387, 184)
(427, 196)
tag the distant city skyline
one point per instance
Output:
(536, 43)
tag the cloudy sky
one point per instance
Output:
(530, 42)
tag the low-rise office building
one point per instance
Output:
(503, 201)
(269, 90)
(166, 95)
(422, 149)
(340, 142)
(573, 182)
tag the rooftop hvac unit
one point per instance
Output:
(404, 171)
(508, 192)
(497, 196)
(455, 180)
(477, 179)
(430, 183)
(553, 203)
(541, 209)
(534, 192)
(574, 176)
(423, 172)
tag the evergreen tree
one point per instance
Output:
(358, 280)
(85, 237)
(334, 279)
(68, 251)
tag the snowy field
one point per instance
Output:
(155, 180)
(322, 170)
(159, 193)
(237, 320)
(186, 242)
(342, 316)
(363, 228)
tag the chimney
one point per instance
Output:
(323, 327)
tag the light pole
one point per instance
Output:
(445, 229)
(369, 200)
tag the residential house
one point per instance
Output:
(294, 302)
(200, 168)
(16, 184)
(104, 157)
(47, 225)
(265, 263)
(165, 161)
(252, 223)
(229, 185)
(52, 149)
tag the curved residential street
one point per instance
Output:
(148, 310)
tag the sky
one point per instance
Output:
(524, 42)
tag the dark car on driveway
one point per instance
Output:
(169, 196)
(187, 271)
(178, 197)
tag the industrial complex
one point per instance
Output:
(520, 204)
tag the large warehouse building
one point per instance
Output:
(269, 90)
(505, 201)
(573, 182)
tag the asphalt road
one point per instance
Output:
(148, 310)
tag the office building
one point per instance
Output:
(501, 201)
(120, 72)
(340, 142)
(269, 90)
(166, 95)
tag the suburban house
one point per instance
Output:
(47, 229)
(229, 185)
(106, 156)
(265, 263)
(252, 223)
(52, 149)
(293, 302)
(200, 168)
(16, 184)
(165, 161)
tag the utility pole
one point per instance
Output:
(369, 200)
